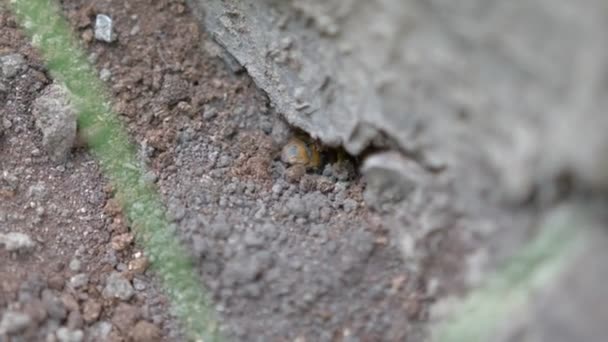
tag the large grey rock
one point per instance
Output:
(515, 86)
(56, 118)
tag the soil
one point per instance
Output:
(287, 254)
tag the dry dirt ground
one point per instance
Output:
(286, 256)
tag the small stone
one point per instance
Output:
(145, 331)
(12, 64)
(35, 310)
(56, 282)
(104, 30)
(105, 74)
(294, 173)
(122, 241)
(16, 242)
(14, 322)
(75, 265)
(349, 205)
(56, 118)
(75, 320)
(125, 316)
(79, 280)
(139, 285)
(66, 335)
(70, 303)
(119, 287)
(296, 206)
(139, 265)
(91, 311)
(100, 331)
(87, 35)
(209, 112)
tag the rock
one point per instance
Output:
(54, 306)
(79, 280)
(70, 303)
(91, 310)
(66, 335)
(104, 29)
(105, 74)
(349, 205)
(119, 287)
(16, 242)
(75, 265)
(145, 331)
(390, 178)
(122, 241)
(75, 320)
(296, 206)
(125, 316)
(12, 64)
(100, 331)
(35, 310)
(56, 118)
(138, 265)
(14, 322)
(294, 173)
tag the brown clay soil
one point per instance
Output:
(286, 255)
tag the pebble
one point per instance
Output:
(349, 205)
(296, 206)
(104, 30)
(122, 241)
(145, 331)
(119, 287)
(13, 322)
(105, 74)
(125, 316)
(66, 335)
(16, 242)
(54, 306)
(56, 118)
(79, 280)
(100, 331)
(138, 265)
(91, 310)
(139, 284)
(75, 265)
(12, 64)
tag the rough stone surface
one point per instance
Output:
(364, 71)
(56, 118)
